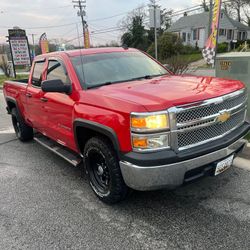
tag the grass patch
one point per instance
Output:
(186, 58)
(192, 57)
(5, 78)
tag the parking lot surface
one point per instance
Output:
(47, 204)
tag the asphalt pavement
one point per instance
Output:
(47, 204)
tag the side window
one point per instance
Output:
(57, 71)
(37, 74)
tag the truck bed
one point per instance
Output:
(16, 90)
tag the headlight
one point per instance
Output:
(150, 142)
(147, 122)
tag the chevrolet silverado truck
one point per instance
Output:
(128, 119)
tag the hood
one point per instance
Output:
(168, 91)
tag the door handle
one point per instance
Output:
(28, 95)
(43, 99)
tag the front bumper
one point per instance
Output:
(172, 175)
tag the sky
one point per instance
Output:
(35, 16)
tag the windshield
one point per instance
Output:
(107, 68)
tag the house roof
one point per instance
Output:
(193, 21)
(238, 25)
(201, 20)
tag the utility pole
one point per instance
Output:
(155, 23)
(210, 17)
(81, 5)
(33, 43)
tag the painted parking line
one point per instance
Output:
(242, 163)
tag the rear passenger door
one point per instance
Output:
(34, 95)
(58, 108)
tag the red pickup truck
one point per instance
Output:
(128, 119)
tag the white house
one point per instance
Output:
(194, 29)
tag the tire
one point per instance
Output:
(22, 130)
(103, 171)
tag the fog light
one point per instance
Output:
(150, 142)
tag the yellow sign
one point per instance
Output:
(224, 65)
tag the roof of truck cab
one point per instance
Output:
(78, 52)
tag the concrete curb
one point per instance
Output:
(242, 163)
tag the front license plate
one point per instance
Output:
(222, 166)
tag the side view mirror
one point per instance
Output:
(55, 86)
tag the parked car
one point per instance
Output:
(128, 119)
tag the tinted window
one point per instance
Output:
(57, 71)
(37, 74)
(96, 69)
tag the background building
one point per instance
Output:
(194, 29)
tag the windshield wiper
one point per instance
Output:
(147, 77)
(101, 84)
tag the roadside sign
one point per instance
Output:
(20, 51)
(19, 47)
(155, 17)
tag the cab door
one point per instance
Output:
(58, 107)
(34, 95)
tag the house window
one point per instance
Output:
(221, 15)
(184, 37)
(196, 34)
(222, 32)
(189, 37)
(229, 34)
(239, 35)
(244, 35)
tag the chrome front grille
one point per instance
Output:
(199, 123)
(207, 133)
(199, 112)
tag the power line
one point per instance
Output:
(44, 27)
(50, 8)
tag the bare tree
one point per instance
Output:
(205, 6)
(4, 66)
(126, 22)
(237, 8)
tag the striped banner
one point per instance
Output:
(44, 43)
(209, 52)
(86, 39)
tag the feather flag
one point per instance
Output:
(44, 43)
(209, 52)
(86, 39)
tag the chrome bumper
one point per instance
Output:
(171, 175)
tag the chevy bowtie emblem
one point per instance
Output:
(223, 117)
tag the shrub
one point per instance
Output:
(178, 64)
(222, 48)
(169, 44)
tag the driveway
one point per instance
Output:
(47, 204)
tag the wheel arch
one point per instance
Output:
(11, 103)
(84, 130)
